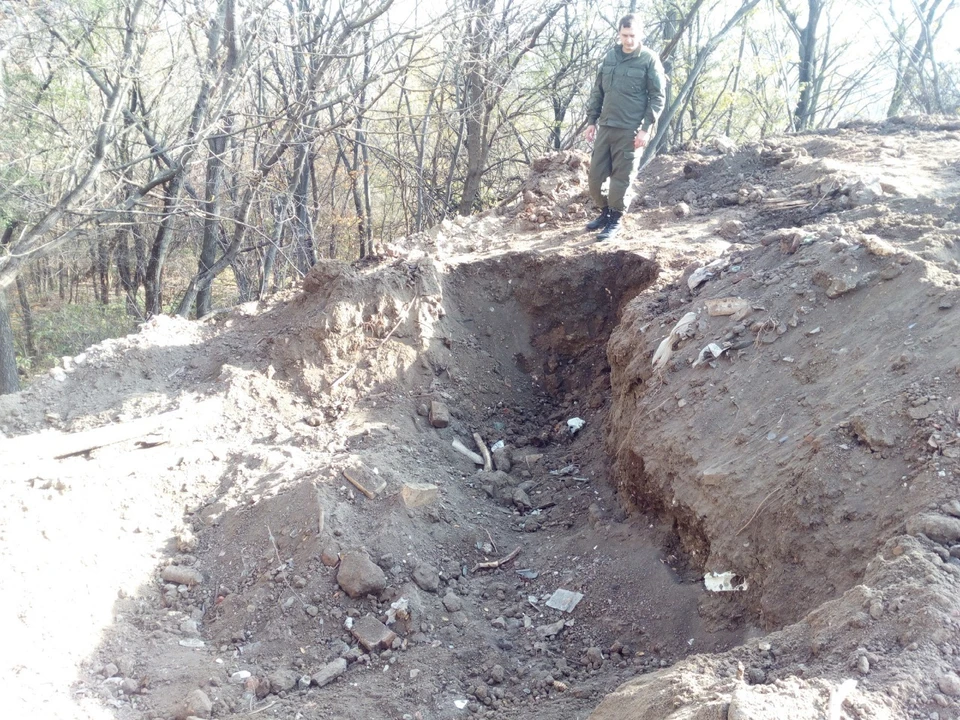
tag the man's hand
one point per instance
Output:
(591, 133)
(641, 139)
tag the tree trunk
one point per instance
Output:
(27, 314)
(9, 380)
(211, 215)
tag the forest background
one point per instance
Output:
(175, 156)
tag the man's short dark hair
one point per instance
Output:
(627, 21)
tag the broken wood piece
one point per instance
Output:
(464, 450)
(351, 476)
(487, 460)
(494, 564)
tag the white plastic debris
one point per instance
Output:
(460, 704)
(575, 424)
(192, 643)
(713, 350)
(723, 582)
(701, 275)
(568, 470)
(498, 445)
(662, 356)
(564, 600)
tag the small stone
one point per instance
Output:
(427, 577)
(681, 209)
(452, 603)
(417, 494)
(951, 508)
(110, 670)
(593, 658)
(190, 628)
(282, 680)
(502, 460)
(329, 672)
(359, 575)
(330, 554)
(372, 634)
(239, 677)
(180, 575)
(938, 528)
(414, 674)
(863, 665)
(439, 414)
(130, 686)
(312, 610)
(949, 684)
(497, 674)
(197, 704)
(841, 286)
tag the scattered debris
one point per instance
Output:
(494, 564)
(439, 414)
(575, 424)
(713, 350)
(353, 476)
(723, 582)
(564, 600)
(417, 494)
(466, 452)
(682, 329)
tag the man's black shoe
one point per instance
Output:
(601, 221)
(613, 226)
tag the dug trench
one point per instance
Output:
(287, 590)
(338, 558)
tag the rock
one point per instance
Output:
(439, 414)
(681, 210)
(130, 686)
(863, 665)
(190, 628)
(841, 286)
(502, 460)
(547, 631)
(181, 575)
(951, 508)
(949, 684)
(497, 674)
(240, 677)
(452, 603)
(330, 554)
(872, 432)
(416, 494)
(730, 229)
(522, 500)
(939, 528)
(109, 670)
(197, 704)
(373, 634)
(329, 672)
(593, 658)
(359, 575)
(282, 680)
(427, 577)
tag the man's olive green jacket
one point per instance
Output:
(629, 90)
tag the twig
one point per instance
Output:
(494, 564)
(492, 543)
(358, 485)
(487, 460)
(759, 508)
(265, 707)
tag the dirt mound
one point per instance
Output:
(265, 512)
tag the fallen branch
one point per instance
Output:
(358, 485)
(464, 450)
(494, 564)
(487, 460)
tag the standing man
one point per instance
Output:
(626, 101)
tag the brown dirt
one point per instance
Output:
(816, 459)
